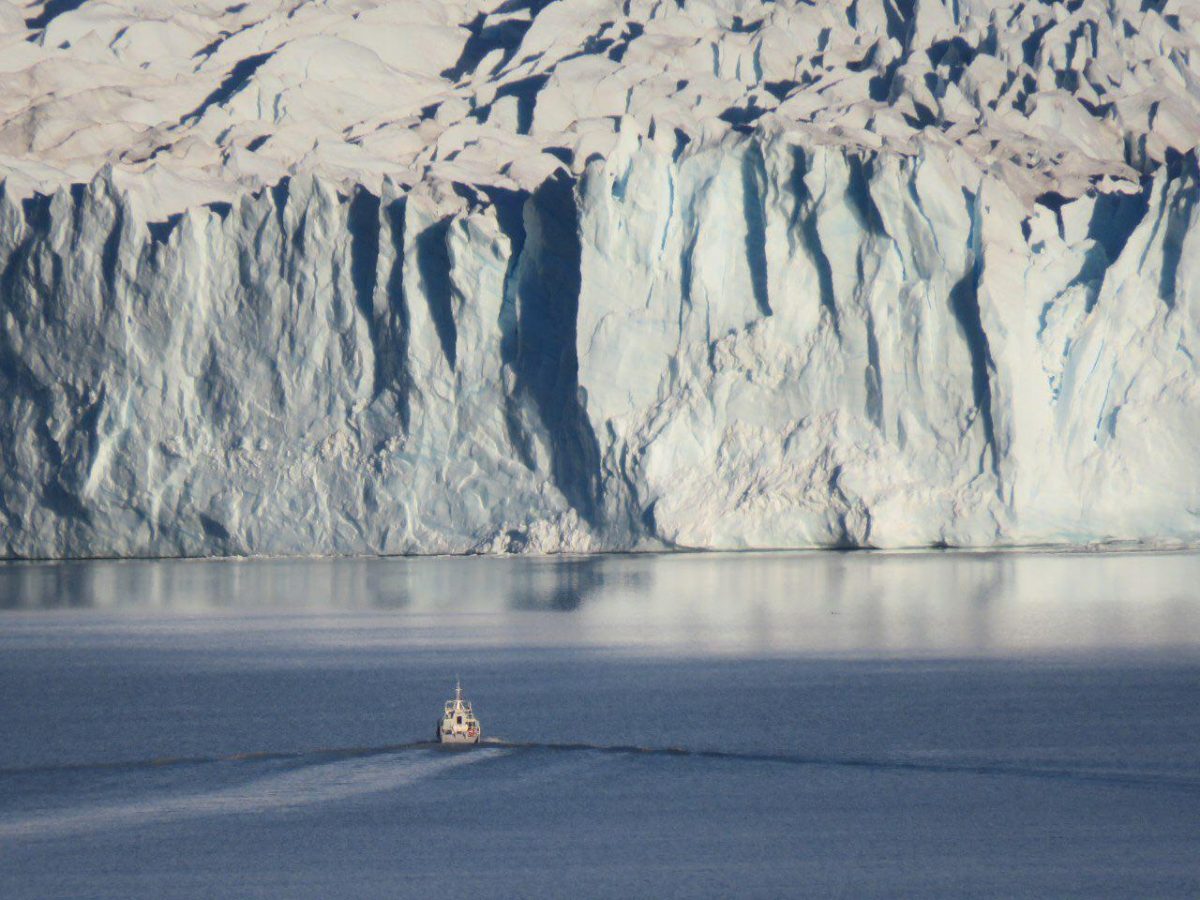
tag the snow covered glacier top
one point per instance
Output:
(197, 101)
(415, 277)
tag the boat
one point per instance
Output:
(458, 724)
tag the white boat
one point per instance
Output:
(458, 724)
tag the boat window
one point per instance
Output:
(460, 720)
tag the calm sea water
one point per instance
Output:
(688, 725)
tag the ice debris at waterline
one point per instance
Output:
(420, 277)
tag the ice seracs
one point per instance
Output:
(202, 101)
(458, 724)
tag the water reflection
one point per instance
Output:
(563, 584)
(836, 603)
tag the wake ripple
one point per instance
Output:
(883, 764)
(356, 774)
(317, 757)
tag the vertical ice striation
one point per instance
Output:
(831, 387)
(760, 344)
(304, 372)
(924, 373)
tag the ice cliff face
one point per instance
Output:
(586, 276)
(821, 348)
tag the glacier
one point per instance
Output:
(599, 276)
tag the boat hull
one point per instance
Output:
(458, 739)
(456, 736)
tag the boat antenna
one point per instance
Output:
(457, 688)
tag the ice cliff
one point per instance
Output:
(359, 277)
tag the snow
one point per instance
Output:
(1042, 91)
(409, 277)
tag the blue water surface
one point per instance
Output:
(765, 725)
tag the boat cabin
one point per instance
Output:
(458, 724)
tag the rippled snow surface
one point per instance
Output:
(702, 725)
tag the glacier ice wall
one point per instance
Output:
(789, 346)
(414, 276)
(302, 373)
(767, 343)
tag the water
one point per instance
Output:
(709, 725)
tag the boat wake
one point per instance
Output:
(319, 755)
(884, 764)
(322, 763)
(356, 773)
